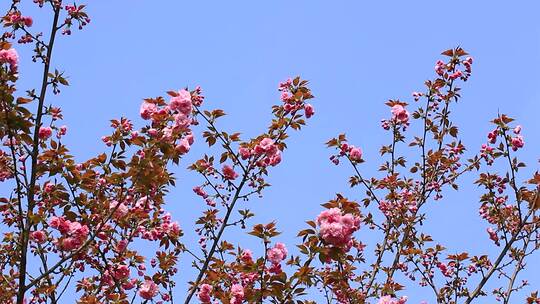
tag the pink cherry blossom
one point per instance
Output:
(121, 209)
(440, 67)
(285, 85)
(45, 132)
(28, 21)
(266, 146)
(38, 236)
(247, 255)
(270, 152)
(204, 293)
(228, 172)
(147, 109)
(245, 153)
(183, 147)
(10, 57)
(390, 300)
(237, 293)
(336, 228)
(121, 272)
(277, 254)
(182, 121)
(517, 142)
(181, 103)
(62, 130)
(148, 290)
(355, 154)
(493, 235)
(309, 110)
(492, 136)
(457, 74)
(400, 114)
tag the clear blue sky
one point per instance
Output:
(356, 54)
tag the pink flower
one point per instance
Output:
(245, 153)
(147, 109)
(246, 256)
(28, 21)
(355, 154)
(59, 223)
(190, 138)
(183, 147)
(286, 96)
(285, 85)
(148, 290)
(182, 103)
(277, 254)
(62, 131)
(121, 245)
(228, 172)
(182, 121)
(390, 300)
(275, 159)
(493, 235)
(400, 114)
(48, 187)
(440, 67)
(336, 228)
(309, 110)
(204, 293)
(121, 272)
(38, 236)
(44, 132)
(517, 142)
(10, 57)
(121, 209)
(129, 284)
(71, 243)
(492, 136)
(270, 151)
(455, 75)
(74, 234)
(467, 63)
(200, 192)
(266, 146)
(517, 129)
(237, 292)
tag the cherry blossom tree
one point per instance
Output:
(77, 227)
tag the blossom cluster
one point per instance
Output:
(275, 255)
(266, 152)
(73, 233)
(400, 205)
(449, 70)
(292, 104)
(400, 115)
(336, 228)
(354, 154)
(11, 58)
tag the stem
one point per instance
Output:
(261, 273)
(518, 268)
(216, 241)
(495, 265)
(35, 153)
(377, 264)
(230, 208)
(424, 197)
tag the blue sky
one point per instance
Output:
(355, 54)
